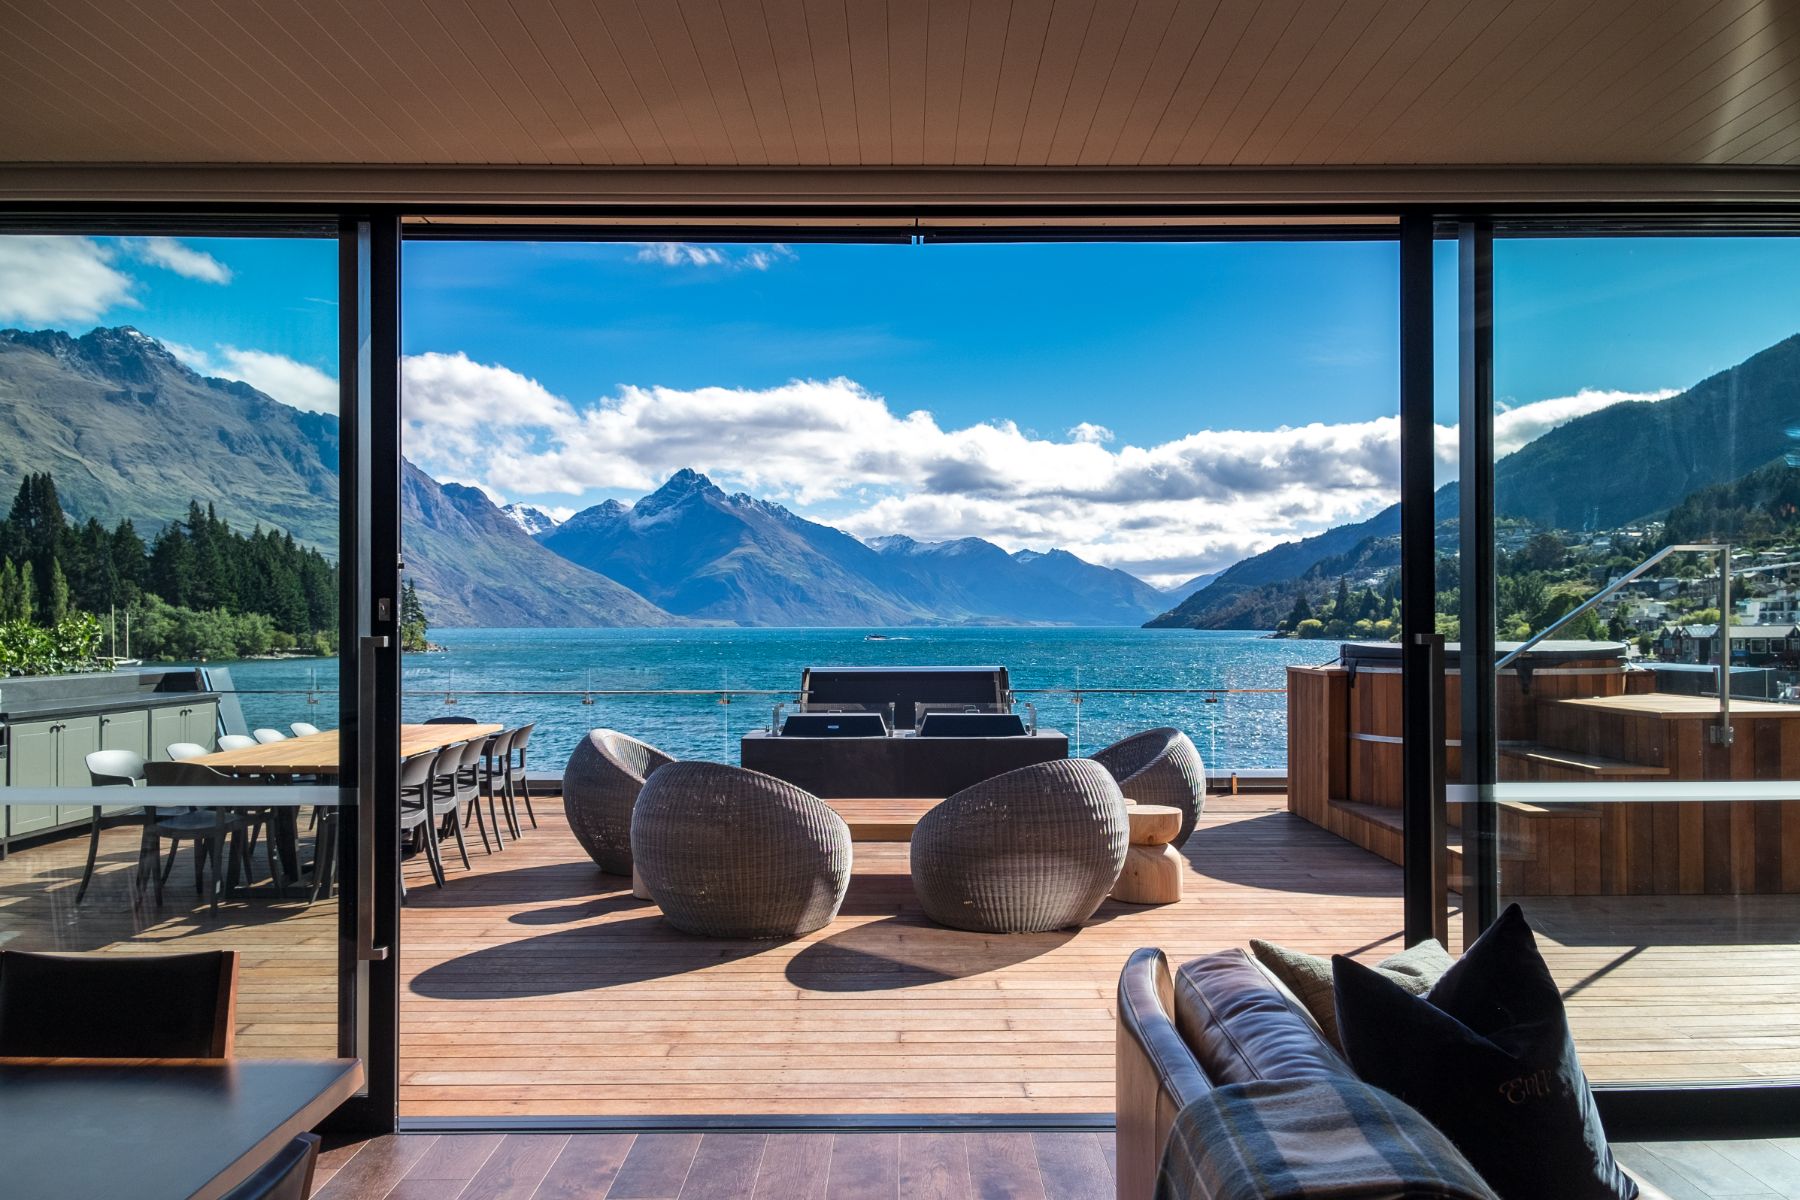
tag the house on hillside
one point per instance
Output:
(1752, 645)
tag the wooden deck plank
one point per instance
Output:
(536, 986)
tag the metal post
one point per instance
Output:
(1425, 888)
(1722, 734)
(1475, 508)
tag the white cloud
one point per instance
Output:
(179, 257)
(1515, 425)
(838, 452)
(48, 279)
(687, 254)
(294, 383)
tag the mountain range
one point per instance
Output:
(129, 430)
(1626, 464)
(700, 553)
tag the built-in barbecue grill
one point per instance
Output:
(899, 731)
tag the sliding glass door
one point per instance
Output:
(1643, 785)
(178, 514)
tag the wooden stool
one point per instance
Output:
(1153, 868)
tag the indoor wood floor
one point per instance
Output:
(536, 986)
(936, 1165)
(939, 1165)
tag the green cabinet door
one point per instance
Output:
(202, 723)
(31, 762)
(167, 725)
(126, 730)
(76, 738)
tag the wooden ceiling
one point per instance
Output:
(867, 83)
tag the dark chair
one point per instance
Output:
(209, 828)
(445, 804)
(515, 772)
(416, 774)
(466, 785)
(496, 754)
(118, 1005)
(287, 1176)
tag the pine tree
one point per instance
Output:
(56, 606)
(15, 594)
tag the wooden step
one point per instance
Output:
(1587, 764)
(1390, 819)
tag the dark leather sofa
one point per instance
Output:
(1217, 1020)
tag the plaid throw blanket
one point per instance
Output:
(1310, 1139)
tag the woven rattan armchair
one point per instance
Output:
(732, 853)
(1025, 852)
(1160, 766)
(600, 787)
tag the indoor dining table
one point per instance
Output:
(156, 1129)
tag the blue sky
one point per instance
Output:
(1127, 401)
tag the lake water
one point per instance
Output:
(547, 673)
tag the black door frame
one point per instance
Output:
(370, 242)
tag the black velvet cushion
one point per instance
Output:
(113, 1005)
(1486, 1056)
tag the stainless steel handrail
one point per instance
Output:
(1722, 732)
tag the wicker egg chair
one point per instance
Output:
(732, 853)
(1160, 766)
(1029, 851)
(600, 786)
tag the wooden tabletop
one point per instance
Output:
(882, 819)
(317, 753)
(150, 1129)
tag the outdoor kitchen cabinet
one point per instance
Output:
(49, 725)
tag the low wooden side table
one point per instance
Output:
(1153, 868)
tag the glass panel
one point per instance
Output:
(654, 483)
(1645, 505)
(168, 588)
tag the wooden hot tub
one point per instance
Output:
(1569, 712)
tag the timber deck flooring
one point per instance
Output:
(536, 986)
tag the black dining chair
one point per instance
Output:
(212, 829)
(445, 802)
(118, 1005)
(416, 774)
(496, 754)
(467, 784)
(287, 1176)
(515, 773)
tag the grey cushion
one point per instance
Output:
(1308, 976)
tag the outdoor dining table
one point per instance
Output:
(314, 754)
(317, 753)
(102, 1129)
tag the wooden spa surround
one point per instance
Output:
(1580, 714)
